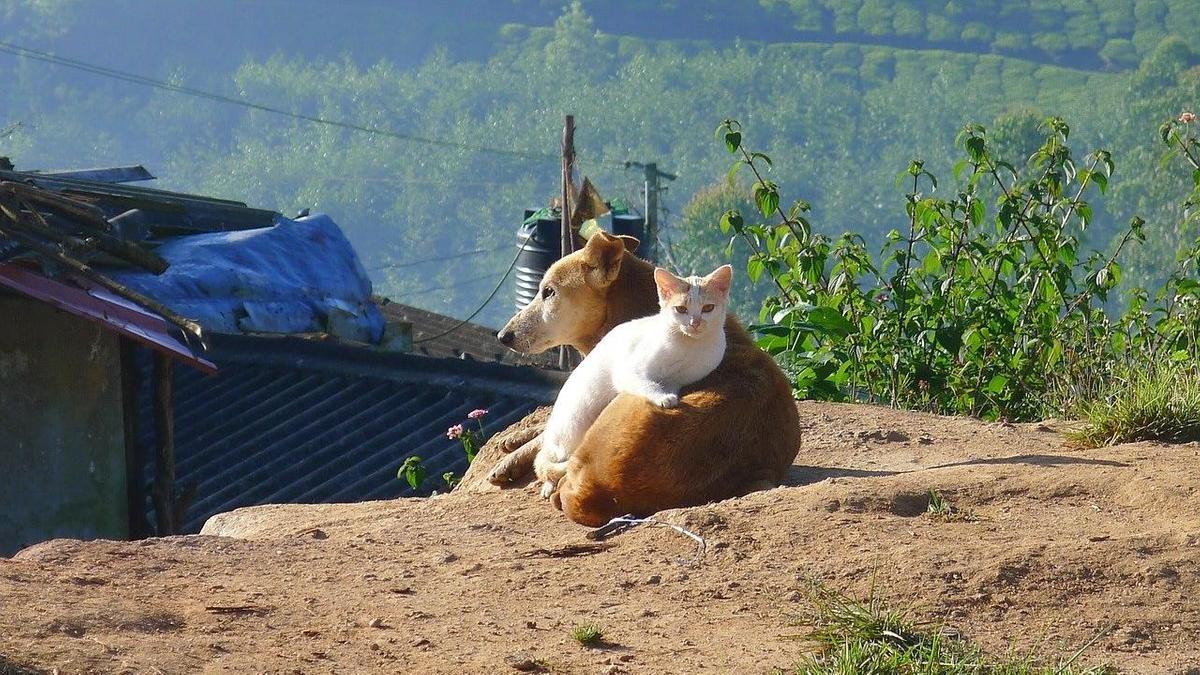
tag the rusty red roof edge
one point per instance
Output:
(102, 307)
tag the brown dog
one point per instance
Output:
(735, 431)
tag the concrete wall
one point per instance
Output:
(62, 446)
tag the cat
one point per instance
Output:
(652, 357)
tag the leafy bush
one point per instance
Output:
(983, 304)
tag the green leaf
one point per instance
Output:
(772, 344)
(763, 157)
(959, 167)
(977, 211)
(1101, 181)
(731, 175)
(830, 320)
(731, 220)
(976, 148)
(950, 339)
(1196, 178)
(1085, 213)
(412, 471)
(996, 384)
(766, 196)
(754, 269)
(733, 141)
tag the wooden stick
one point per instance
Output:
(568, 237)
(191, 329)
(164, 456)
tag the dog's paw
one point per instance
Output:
(666, 400)
(500, 475)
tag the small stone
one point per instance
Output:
(376, 623)
(524, 662)
(654, 579)
(794, 596)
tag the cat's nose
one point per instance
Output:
(506, 337)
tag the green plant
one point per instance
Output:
(941, 507)
(588, 634)
(451, 480)
(472, 440)
(848, 636)
(1160, 402)
(984, 304)
(412, 471)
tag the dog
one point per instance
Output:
(734, 432)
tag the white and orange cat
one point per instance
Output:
(652, 357)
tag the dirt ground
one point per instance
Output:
(1067, 544)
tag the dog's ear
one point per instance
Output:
(603, 253)
(631, 243)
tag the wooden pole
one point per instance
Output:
(165, 511)
(135, 494)
(568, 237)
(651, 196)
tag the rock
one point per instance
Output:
(524, 662)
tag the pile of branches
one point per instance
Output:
(65, 233)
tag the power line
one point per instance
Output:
(133, 78)
(444, 287)
(464, 254)
(483, 304)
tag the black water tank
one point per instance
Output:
(633, 226)
(540, 242)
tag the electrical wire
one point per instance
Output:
(133, 78)
(443, 287)
(464, 254)
(486, 301)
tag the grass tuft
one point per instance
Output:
(588, 634)
(865, 637)
(940, 507)
(1158, 404)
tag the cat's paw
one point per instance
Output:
(549, 487)
(666, 400)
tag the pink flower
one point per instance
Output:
(476, 413)
(454, 432)
(1187, 117)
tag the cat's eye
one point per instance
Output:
(708, 308)
(682, 309)
(547, 292)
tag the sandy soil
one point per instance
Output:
(1067, 544)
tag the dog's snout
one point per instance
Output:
(506, 337)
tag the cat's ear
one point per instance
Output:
(631, 243)
(604, 252)
(720, 280)
(668, 284)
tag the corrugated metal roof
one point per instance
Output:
(469, 341)
(291, 421)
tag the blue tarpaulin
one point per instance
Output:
(297, 276)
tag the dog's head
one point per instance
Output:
(571, 304)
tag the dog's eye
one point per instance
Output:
(682, 309)
(708, 308)
(547, 292)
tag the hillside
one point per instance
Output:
(842, 94)
(1064, 546)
